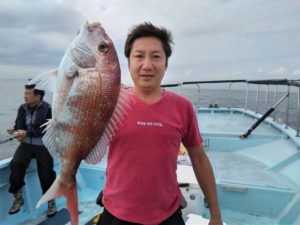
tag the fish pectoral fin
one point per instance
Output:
(47, 125)
(45, 81)
(49, 140)
(112, 126)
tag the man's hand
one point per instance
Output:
(205, 176)
(20, 135)
(10, 131)
(215, 221)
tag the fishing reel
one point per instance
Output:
(15, 133)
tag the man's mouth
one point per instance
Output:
(147, 75)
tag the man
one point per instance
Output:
(27, 130)
(141, 185)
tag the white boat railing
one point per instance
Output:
(268, 83)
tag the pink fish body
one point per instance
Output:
(87, 108)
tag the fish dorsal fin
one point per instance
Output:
(45, 81)
(114, 123)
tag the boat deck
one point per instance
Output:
(231, 121)
(257, 178)
(239, 169)
(90, 180)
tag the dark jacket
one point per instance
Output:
(32, 121)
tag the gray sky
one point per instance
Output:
(214, 39)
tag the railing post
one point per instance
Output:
(198, 86)
(287, 108)
(267, 94)
(179, 88)
(275, 100)
(246, 97)
(230, 96)
(298, 126)
(257, 97)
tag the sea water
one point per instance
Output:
(12, 96)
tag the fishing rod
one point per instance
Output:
(7, 140)
(14, 135)
(261, 119)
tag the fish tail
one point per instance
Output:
(58, 189)
(55, 191)
(72, 203)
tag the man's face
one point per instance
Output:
(147, 63)
(30, 98)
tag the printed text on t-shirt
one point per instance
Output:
(144, 123)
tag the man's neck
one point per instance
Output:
(150, 96)
(33, 105)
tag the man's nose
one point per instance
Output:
(147, 64)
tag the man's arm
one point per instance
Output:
(205, 177)
(20, 119)
(19, 122)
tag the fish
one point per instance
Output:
(88, 106)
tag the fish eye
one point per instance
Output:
(102, 47)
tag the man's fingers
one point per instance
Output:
(9, 130)
(20, 135)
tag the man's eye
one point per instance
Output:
(156, 57)
(138, 56)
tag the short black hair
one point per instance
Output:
(35, 91)
(147, 29)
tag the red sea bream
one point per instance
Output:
(87, 108)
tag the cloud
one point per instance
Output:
(280, 71)
(296, 72)
(213, 39)
(35, 33)
(260, 70)
(39, 16)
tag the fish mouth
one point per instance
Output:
(83, 56)
(84, 50)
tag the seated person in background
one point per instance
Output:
(27, 130)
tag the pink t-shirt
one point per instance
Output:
(141, 183)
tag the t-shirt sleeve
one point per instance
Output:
(192, 136)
